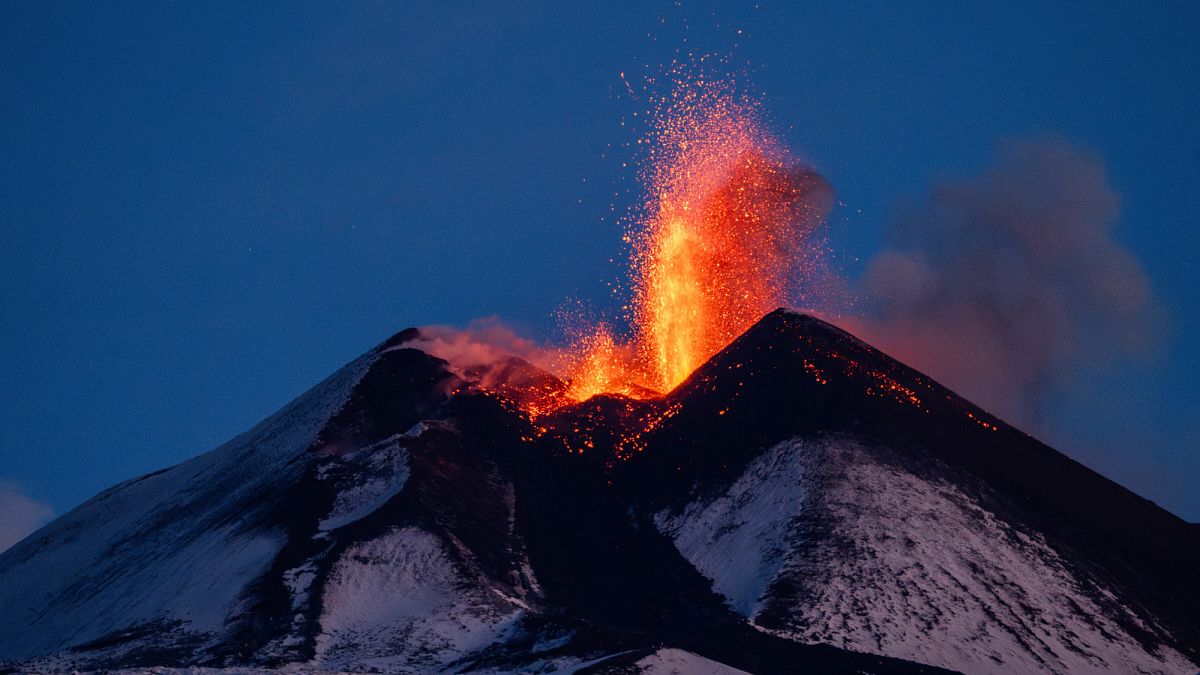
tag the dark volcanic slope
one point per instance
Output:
(794, 374)
(392, 518)
(800, 488)
(847, 411)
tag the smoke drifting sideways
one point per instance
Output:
(20, 515)
(726, 232)
(1004, 285)
(492, 357)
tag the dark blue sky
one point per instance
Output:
(205, 209)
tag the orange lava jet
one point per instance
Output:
(599, 366)
(721, 240)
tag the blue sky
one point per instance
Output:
(206, 208)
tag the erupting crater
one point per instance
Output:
(725, 234)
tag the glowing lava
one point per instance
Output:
(720, 241)
(599, 365)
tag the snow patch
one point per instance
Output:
(397, 601)
(193, 531)
(670, 661)
(832, 541)
(738, 539)
(367, 479)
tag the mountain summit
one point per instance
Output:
(800, 502)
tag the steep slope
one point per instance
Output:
(395, 518)
(165, 557)
(801, 502)
(252, 552)
(833, 495)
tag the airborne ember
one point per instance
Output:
(723, 237)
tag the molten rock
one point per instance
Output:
(800, 502)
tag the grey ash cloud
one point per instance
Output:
(1002, 285)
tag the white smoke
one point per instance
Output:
(484, 349)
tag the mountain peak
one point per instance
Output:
(801, 500)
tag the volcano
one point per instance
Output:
(801, 502)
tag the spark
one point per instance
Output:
(716, 244)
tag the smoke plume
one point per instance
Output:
(493, 357)
(19, 514)
(483, 343)
(1001, 285)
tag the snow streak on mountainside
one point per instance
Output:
(167, 555)
(396, 601)
(801, 502)
(857, 551)
(679, 662)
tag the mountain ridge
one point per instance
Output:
(505, 543)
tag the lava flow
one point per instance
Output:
(720, 240)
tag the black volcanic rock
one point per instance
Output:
(838, 405)
(802, 502)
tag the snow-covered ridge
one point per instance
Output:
(739, 539)
(671, 661)
(830, 541)
(365, 480)
(189, 529)
(393, 519)
(397, 603)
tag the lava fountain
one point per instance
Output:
(721, 239)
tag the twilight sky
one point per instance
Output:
(207, 208)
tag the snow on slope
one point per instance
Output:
(188, 527)
(859, 553)
(365, 480)
(671, 661)
(739, 539)
(397, 603)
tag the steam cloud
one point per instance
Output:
(19, 515)
(999, 286)
(483, 351)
